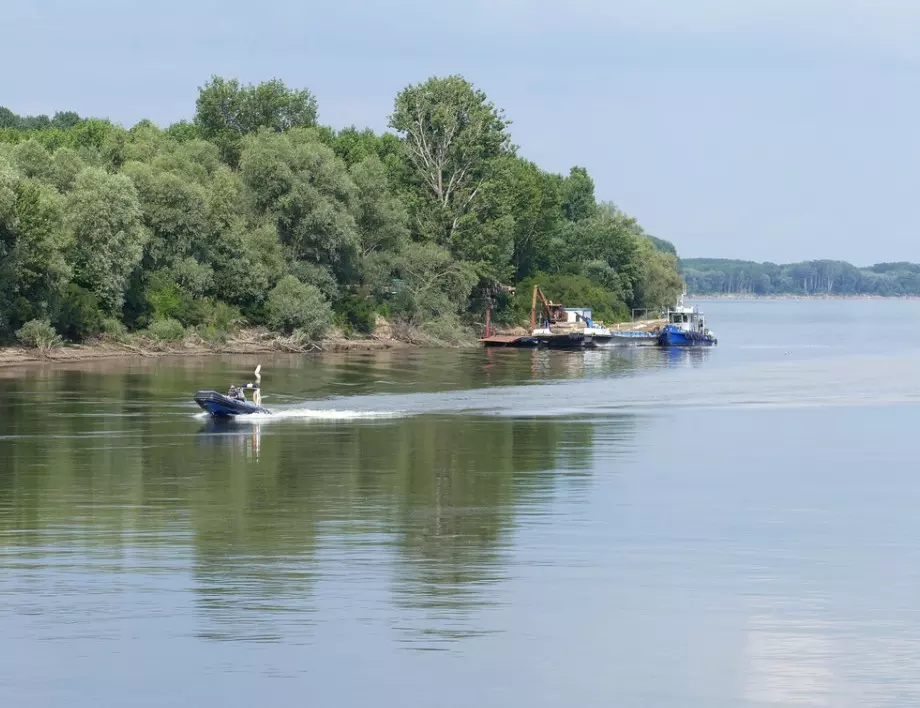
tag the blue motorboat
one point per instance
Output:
(234, 402)
(220, 405)
(686, 327)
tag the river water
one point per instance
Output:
(638, 528)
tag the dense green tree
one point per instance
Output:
(65, 166)
(293, 305)
(380, 217)
(32, 159)
(33, 269)
(105, 219)
(538, 216)
(451, 132)
(174, 212)
(578, 195)
(226, 111)
(308, 191)
(434, 284)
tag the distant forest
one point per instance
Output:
(711, 276)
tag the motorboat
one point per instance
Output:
(220, 405)
(233, 403)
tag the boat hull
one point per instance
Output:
(633, 339)
(567, 340)
(676, 337)
(221, 406)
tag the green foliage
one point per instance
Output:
(293, 305)
(446, 328)
(451, 133)
(573, 291)
(105, 218)
(253, 213)
(306, 189)
(712, 276)
(38, 334)
(380, 217)
(578, 195)
(226, 111)
(166, 330)
(432, 284)
(79, 316)
(357, 314)
(114, 329)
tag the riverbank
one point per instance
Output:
(248, 341)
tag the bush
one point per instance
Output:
(115, 329)
(79, 317)
(39, 334)
(213, 335)
(447, 329)
(166, 330)
(214, 314)
(168, 302)
(357, 314)
(295, 305)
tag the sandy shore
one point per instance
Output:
(13, 356)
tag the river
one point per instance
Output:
(731, 527)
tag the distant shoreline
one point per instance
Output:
(779, 296)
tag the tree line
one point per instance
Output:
(709, 276)
(254, 213)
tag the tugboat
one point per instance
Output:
(234, 403)
(686, 327)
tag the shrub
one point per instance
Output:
(114, 329)
(295, 305)
(39, 334)
(168, 302)
(213, 335)
(357, 314)
(79, 317)
(447, 329)
(214, 314)
(166, 330)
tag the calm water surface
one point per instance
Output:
(734, 527)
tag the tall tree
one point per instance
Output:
(380, 217)
(105, 217)
(451, 132)
(307, 190)
(226, 111)
(578, 195)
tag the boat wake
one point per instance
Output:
(848, 381)
(309, 414)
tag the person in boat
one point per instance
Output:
(238, 393)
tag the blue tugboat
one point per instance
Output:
(686, 327)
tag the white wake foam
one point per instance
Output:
(310, 414)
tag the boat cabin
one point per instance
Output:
(573, 315)
(689, 319)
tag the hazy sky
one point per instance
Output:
(764, 129)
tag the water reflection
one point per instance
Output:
(262, 517)
(241, 438)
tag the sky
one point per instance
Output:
(777, 130)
